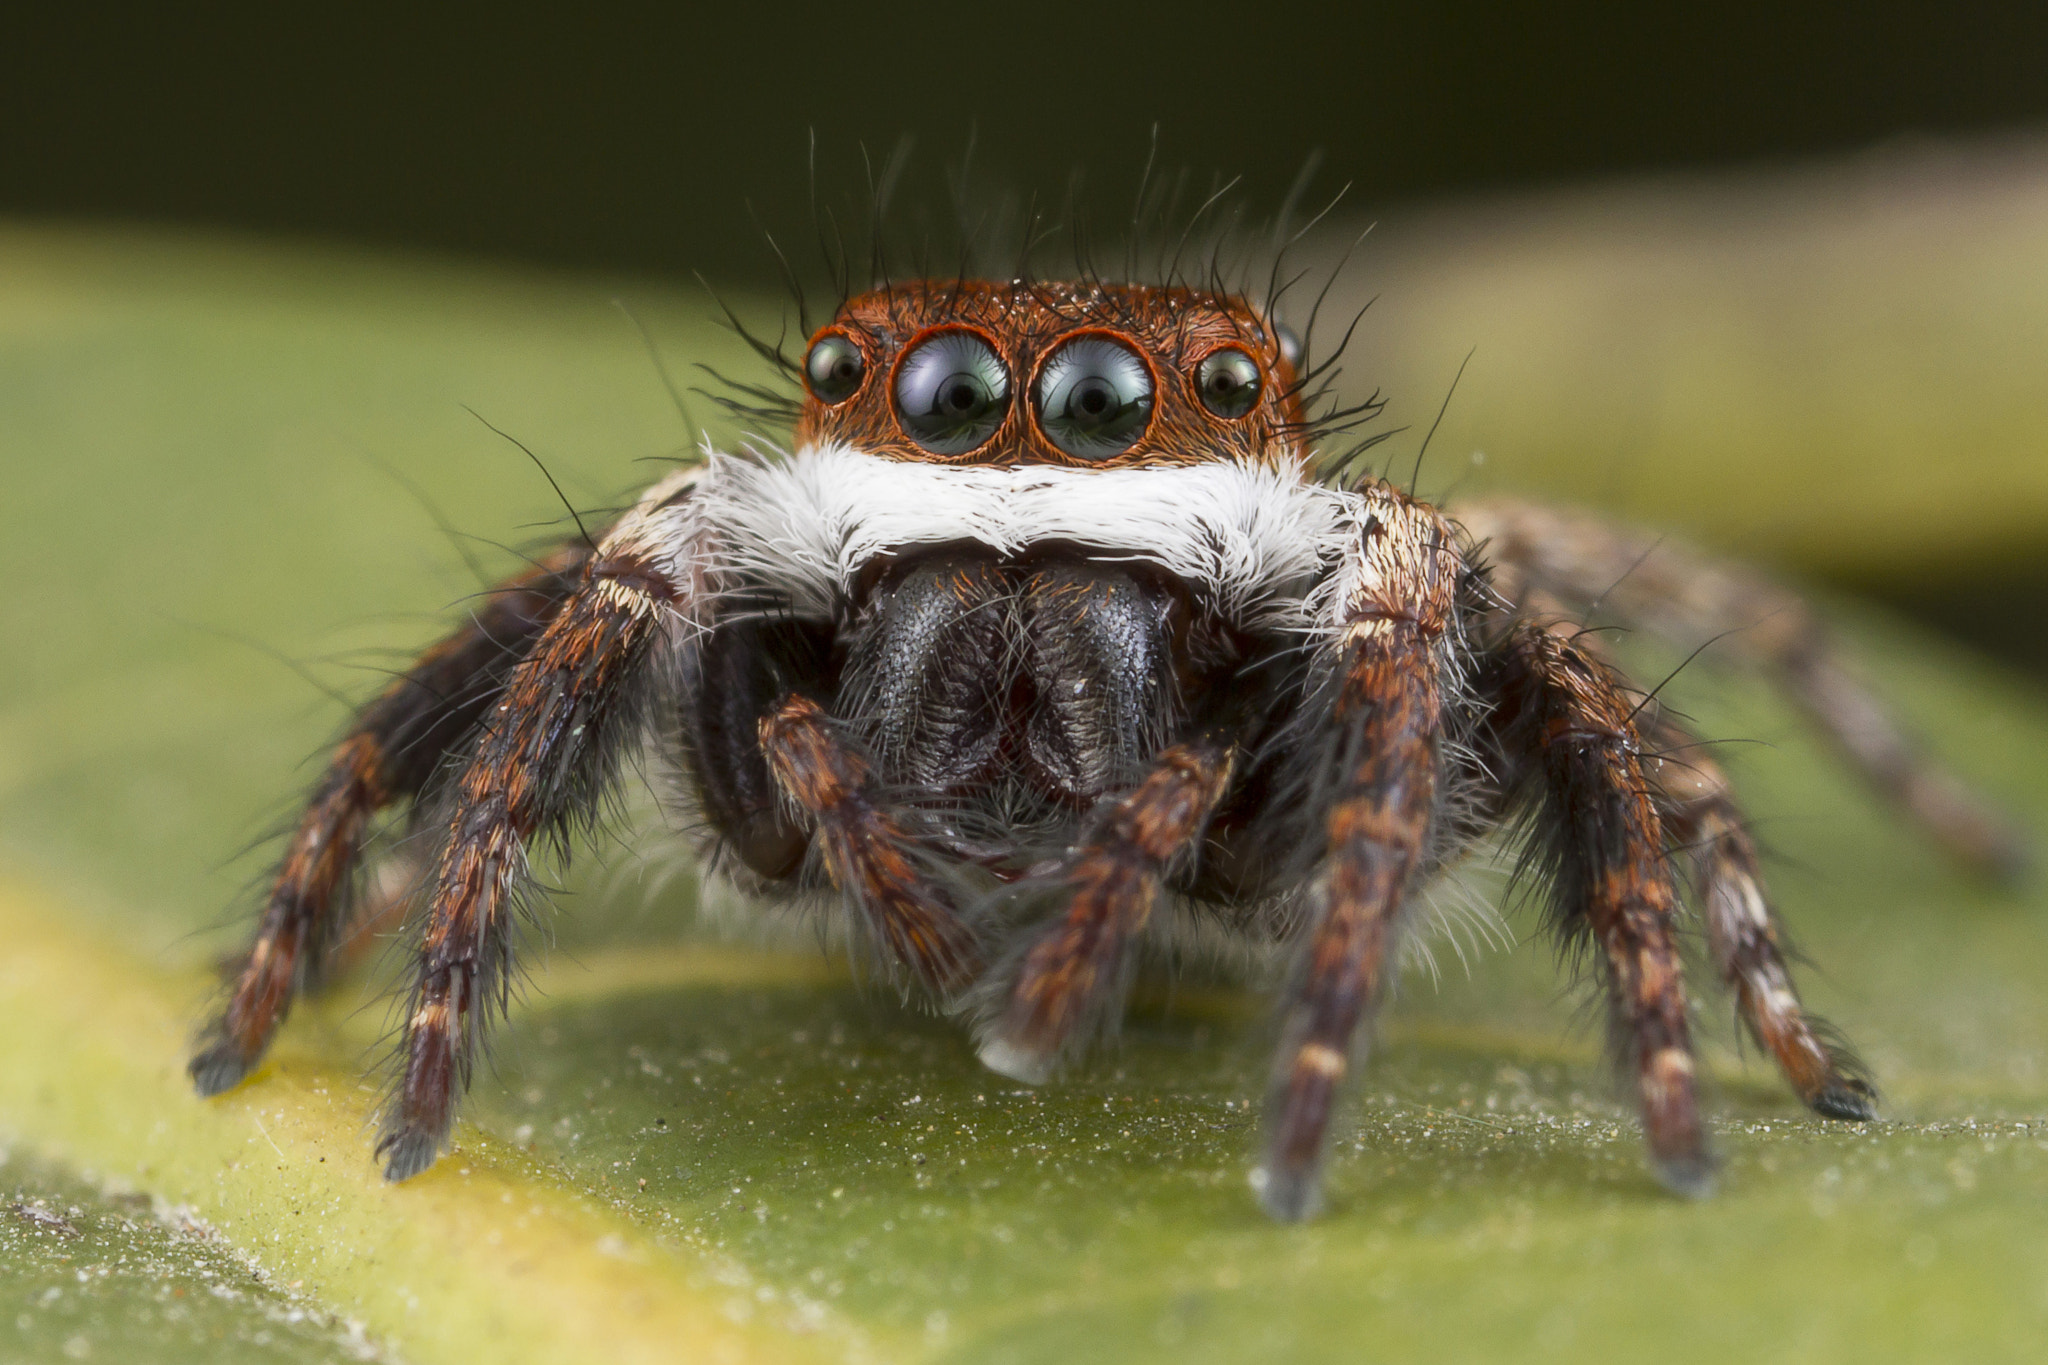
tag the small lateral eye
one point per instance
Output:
(1094, 397)
(835, 368)
(1229, 382)
(1290, 343)
(952, 392)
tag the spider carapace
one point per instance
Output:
(1044, 638)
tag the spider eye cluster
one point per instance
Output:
(1093, 396)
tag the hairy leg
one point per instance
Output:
(1701, 817)
(1743, 934)
(1075, 967)
(1566, 735)
(1375, 776)
(389, 755)
(546, 756)
(1591, 566)
(869, 852)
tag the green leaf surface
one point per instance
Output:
(698, 1143)
(87, 1274)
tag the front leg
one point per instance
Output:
(547, 754)
(1371, 755)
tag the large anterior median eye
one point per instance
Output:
(952, 392)
(834, 368)
(1094, 397)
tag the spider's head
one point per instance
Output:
(1083, 375)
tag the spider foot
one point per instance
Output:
(1288, 1194)
(1850, 1098)
(1690, 1176)
(1019, 1061)
(219, 1068)
(407, 1152)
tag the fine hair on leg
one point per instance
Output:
(1377, 737)
(1566, 738)
(1594, 568)
(391, 753)
(547, 757)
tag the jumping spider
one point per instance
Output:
(1045, 627)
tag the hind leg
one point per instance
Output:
(1592, 568)
(1745, 937)
(1743, 931)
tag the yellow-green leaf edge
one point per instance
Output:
(488, 1256)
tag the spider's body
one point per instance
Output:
(1044, 630)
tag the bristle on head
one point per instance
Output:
(1193, 271)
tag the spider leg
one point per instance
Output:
(1566, 727)
(390, 754)
(1636, 579)
(1700, 814)
(867, 848)
(1376, 740)
(1075, 965)
(545, 756)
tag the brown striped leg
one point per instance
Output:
(1377, 830)
(546, 756)
(1392, 598)
(1638, 579)
(1566, 721)
(869, 852)
(1075, 967)
(1700, 815)
(389, 755)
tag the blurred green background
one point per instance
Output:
(1775, 280)
(664, 141)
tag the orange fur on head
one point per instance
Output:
(1172, 329)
